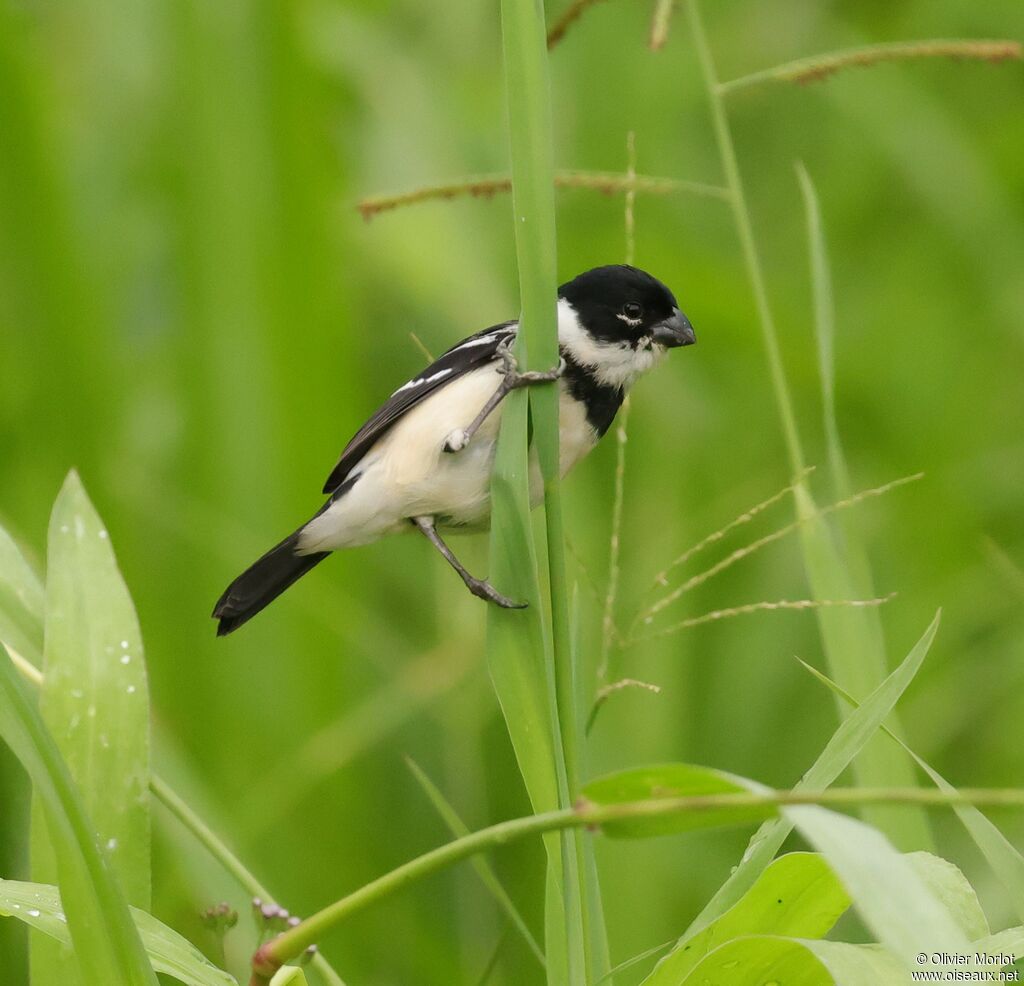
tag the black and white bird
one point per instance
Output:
(423, 460)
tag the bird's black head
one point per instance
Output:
(619, 320)
(619, 304)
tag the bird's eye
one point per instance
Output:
(632, 310)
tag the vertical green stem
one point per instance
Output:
(533, 206)
(741, 215)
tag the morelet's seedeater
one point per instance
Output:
(423, 460)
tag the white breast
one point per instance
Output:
(406, 474)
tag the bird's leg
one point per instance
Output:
(512, 379)
(479, 587)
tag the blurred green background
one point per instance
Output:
(194, 315)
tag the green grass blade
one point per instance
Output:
(484, 869)
(39, 906)
(21, 628)
(848, 557)
(94, 699)
(893, 900)
(533, 206)
(1005, 859)
(853, 654)
(106, 944)
(21, 602)
(847, 741)
(852, 643)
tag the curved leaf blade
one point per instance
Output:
(847, 741)
(106, 943)
(950, 886)
(94, 695)
(895, 903)
(798, 895)
(38, 905)
(1002, 856)
(94, 701)
(761, 959)
(673, 780)
(21, 602)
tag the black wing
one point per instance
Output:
(471, 353)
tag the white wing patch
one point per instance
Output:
(484, 340)
(420, 381)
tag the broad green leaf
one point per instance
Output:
(798, 895)
(289, 975)
(838, 568)
(39, 906)
(894, 902)
(1004, 858)
(847, 741)
(94, 699)
(764, 960)
(107, 946)
(950, 886)
(21, 602)
(673, 780)
(1009, 942)
(484, 870)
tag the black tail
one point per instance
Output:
(262, 582)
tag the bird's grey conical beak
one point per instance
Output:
(674, 331)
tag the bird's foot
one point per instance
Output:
(483, 589)
(456, 441)
(515, 378)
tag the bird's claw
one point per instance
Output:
(515, 378)
(483, 589)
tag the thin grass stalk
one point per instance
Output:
(825, 328)
(647, 615)
(659, 24)
(487, 186)
(608, 629)
(565, 20)
(817, 67)
(588, 815)
(661, 579)
(762, 606)
(847, 640)
(202, 832)
(533, 206)
(488, 877)
(745, 229)
(604, 693)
